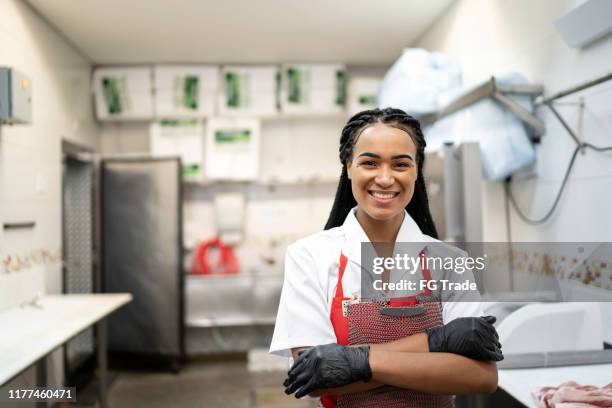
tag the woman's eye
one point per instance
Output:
(404, 165)
(368, 163)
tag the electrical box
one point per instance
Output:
(15, 97)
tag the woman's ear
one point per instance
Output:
(348, 169)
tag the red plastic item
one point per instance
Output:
(227, 263)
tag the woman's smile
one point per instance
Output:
(383, 197)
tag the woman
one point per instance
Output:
(357, 355)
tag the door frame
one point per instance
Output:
(71, 151)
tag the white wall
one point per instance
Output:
(30, 155)
(492, 37)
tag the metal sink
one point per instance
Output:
(239, 300)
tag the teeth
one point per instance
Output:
(383, 195)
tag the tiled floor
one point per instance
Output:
(202, 385)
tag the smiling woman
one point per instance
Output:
(362, 352)
(384, 148)
(383, 174)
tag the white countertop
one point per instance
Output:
(29, 333)
(522, 381)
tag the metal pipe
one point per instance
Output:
(575, 89)
(564, 123)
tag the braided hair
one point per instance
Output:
(418, 207)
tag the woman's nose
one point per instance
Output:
(384, 178)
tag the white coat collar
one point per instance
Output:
(409, 232)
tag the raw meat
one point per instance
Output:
(573, 395)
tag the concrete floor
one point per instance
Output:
(226, 384)
(220, 384)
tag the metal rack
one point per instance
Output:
(574, 89)
(492, 89)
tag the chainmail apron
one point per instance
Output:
(367, 325)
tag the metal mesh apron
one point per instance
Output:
(362, 323)
(368, 325)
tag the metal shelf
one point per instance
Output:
(492, 89)
(230, 321)
(266, 183)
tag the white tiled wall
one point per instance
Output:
(30, 155)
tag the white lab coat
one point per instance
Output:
(311, 275)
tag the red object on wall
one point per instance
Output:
(227, 263)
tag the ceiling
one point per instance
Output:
(359, 32)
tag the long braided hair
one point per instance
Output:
(418, 207)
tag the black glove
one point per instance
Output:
(473, 337)
(328, 366)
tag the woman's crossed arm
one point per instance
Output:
(409, 362)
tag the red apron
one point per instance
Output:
(362, 323)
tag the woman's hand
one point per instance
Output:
(472, 337)
(328, 366)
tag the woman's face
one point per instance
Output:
(383, 171)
